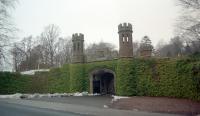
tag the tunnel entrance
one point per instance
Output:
(103, 82)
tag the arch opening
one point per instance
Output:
(102, 82)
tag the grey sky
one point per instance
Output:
(98, 19)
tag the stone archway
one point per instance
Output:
(102, 81)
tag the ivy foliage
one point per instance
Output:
(133, 77)
(13, 83)
(77, 77)
(126, 80)
(55, 81)
(159, 77)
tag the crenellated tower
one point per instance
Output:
(125, 40)
(78, 48)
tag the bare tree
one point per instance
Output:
(50, 51)
(190, 4)
(177, 46)
(136, 47)
(6, 27)
(173, 49)
(63, 51)
(48, 39)
(16, 54)
(189, 24)
(22, 54)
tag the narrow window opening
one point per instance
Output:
(74, 47)
(78, 46)
(123, 39)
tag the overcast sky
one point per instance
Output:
(98, 19)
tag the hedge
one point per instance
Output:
(134, 76)
(13, 83)
(77, 77)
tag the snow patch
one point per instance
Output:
(78, 94)
(37, 95)
(115, 98)
(13, 96)
(32, 72)
(105, 106)
(119, 97)
(95, 94)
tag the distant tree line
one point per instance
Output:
(49, 49)
(45, 51)
(187, 39)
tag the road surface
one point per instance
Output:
(92, 101)
(18, 107)
(8, 109)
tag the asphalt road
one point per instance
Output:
(7, 109)
(93, 101)
(55, 107)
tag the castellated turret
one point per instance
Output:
(78, 48)
(125, 40)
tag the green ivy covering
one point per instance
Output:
(13, 83)
(77, 77)
(134, 76)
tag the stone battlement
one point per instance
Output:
(78, 36)
(125, 27)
